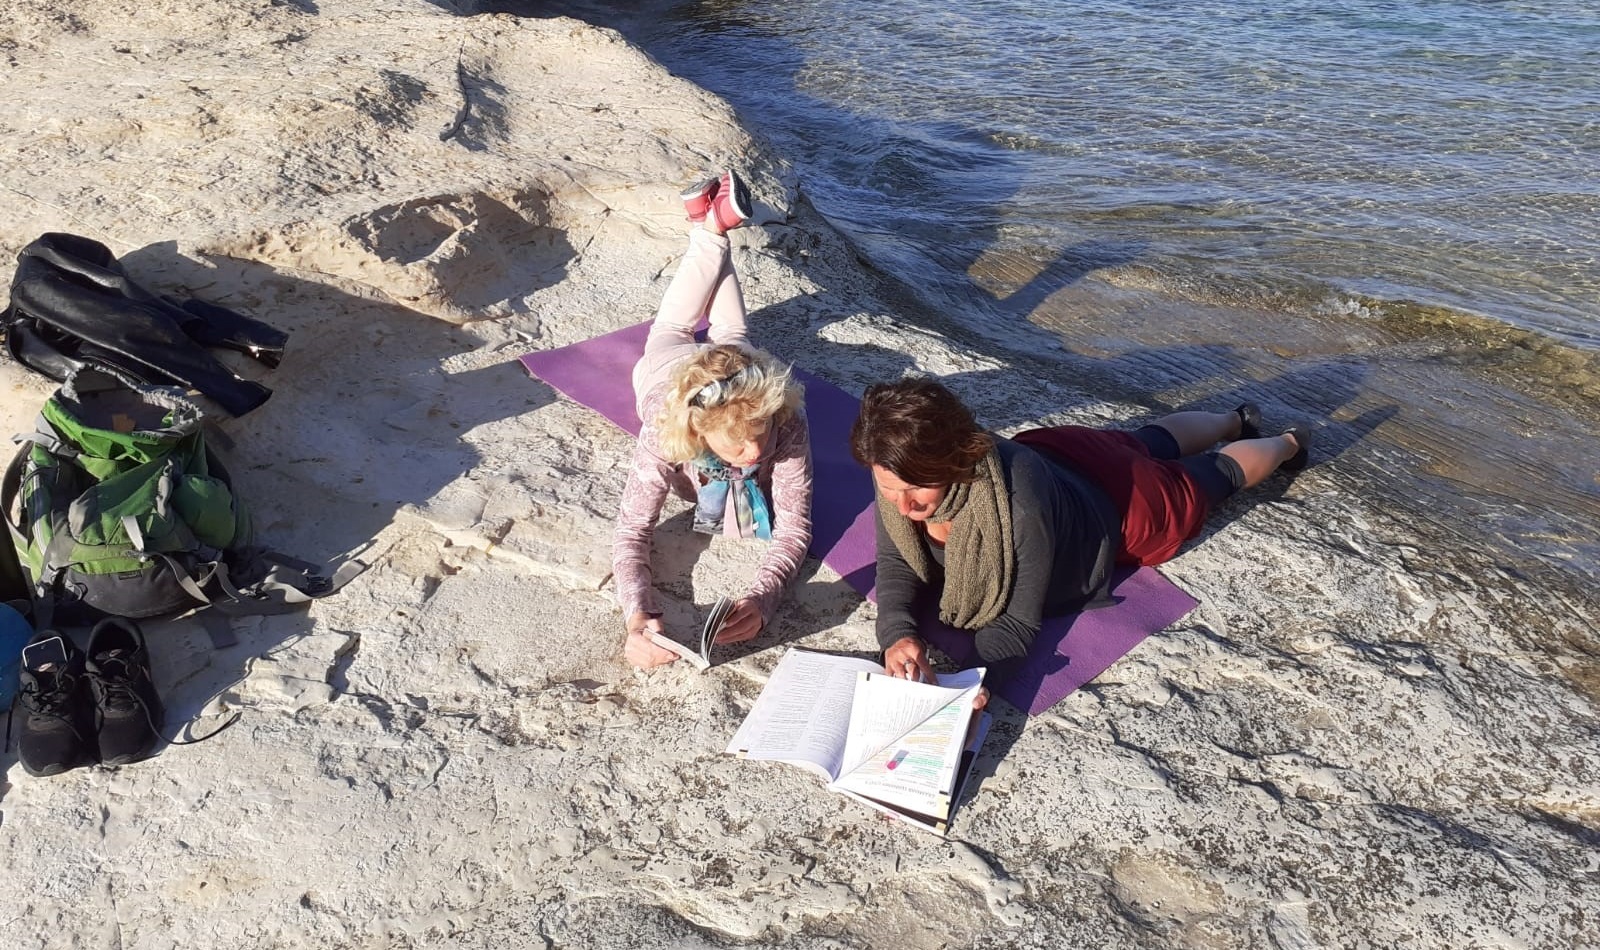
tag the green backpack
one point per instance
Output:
(117, 507)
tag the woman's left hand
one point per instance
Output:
(743, 623)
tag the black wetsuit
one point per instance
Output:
(72, 305)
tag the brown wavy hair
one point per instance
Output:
(920, 431)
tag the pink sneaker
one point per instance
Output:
(697, 199)
(730, 203)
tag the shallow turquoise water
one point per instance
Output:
(1331, 157)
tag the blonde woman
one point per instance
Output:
(723, 426)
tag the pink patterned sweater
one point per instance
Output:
(785, 476)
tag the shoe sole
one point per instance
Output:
(51, 770)
(1249, 420)
(740, 200)
(699, 189)
(704, 193)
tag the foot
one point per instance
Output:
(730, 204)
(1249, 420)
(1302, 457)
(697, 198)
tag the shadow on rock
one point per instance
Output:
(367, 417)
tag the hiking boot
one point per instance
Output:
(128, 712)
(731, 205)
(58, 731)
(1249, 420)
(697, 199)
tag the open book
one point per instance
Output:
(699, 654)
(897, 745)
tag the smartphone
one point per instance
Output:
(45, 655)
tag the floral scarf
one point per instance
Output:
(730, 500)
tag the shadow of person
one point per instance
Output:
(369, 411)
(1006, 725)
(1034, 390)
(809, 606)
(1070, 265)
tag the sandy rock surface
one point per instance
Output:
(1343, 746)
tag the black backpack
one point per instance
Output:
(72, 305)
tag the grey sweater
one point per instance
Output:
(1066, 535)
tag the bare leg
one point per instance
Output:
(1195, 430)
(1259, 458)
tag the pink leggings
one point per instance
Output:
(704, 286)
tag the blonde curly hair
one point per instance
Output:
(725, 389)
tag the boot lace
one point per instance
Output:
(114, 688)
(52, 700)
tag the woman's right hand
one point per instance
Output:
(638, 649)
(907, 659)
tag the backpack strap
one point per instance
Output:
(12, 486)
(189, 584)
(42, 603)
(50, 443)
(282, 588)
(9, 490)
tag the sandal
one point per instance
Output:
(1249, 420)
(1300, 459)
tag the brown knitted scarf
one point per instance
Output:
(979, 561)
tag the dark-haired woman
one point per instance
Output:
(998, 534)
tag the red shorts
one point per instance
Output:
(1161, 504)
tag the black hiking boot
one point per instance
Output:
(128, 712)
(58, 730)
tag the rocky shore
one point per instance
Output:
(1346, 745)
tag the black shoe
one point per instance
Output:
(128, 712)
(58, 731)
(1300, 459)
(1249, 420)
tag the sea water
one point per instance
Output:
(1353, 154)
(1368, 211)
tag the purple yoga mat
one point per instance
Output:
(1069, 651)
(598, 373)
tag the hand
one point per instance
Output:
(743, 623)
(907, 659)
(981, 700)
(638, 649)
